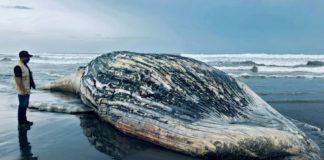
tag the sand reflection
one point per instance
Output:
(24, 145)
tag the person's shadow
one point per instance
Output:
(25, 147)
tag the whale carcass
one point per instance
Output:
(185, 105)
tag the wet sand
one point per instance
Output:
(64, 136)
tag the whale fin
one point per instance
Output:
(70, 107)
(69, 83)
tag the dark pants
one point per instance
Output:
(22, 108)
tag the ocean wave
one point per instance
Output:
(50, 74)
(66, 56)
(297, 101)
(66, 61)
(248, 59)
(48, 58)
(279, 70)
(259, 59)
(232, 63)
(315, 63)
(284, 93)
(6, 75)
(256, 75)
(318, 70)
(234, 68)
(251, 63)
(6, 59)
(2, 86)
(240, 65)
(62, 58)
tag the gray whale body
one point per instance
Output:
(185, 105)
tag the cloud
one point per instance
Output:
(16, 7)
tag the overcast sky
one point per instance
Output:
(191, 26)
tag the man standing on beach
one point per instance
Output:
(24, 82)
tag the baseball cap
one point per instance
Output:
(24, 54)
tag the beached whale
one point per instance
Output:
(185, 105)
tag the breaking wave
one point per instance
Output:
(6, 59)
(315, 63)
(266, 65)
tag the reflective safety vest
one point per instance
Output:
(25, 78)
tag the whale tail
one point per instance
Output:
(69, 83)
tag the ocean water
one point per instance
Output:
(267, 65)
(292, 84)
